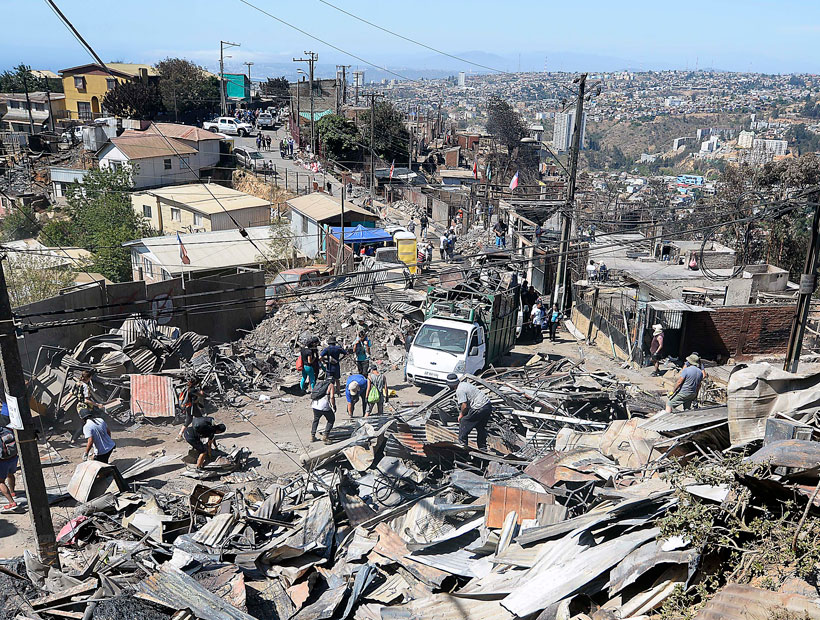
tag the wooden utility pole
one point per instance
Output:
(410, 148)
(222, 94)
(559, 296)
(808, 283)
(20, 415)
(372, 152)
(28, 104)
(311, 59)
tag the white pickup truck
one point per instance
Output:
(228, 125)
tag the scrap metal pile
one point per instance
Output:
(583, 506)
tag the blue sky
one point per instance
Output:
(756, 35)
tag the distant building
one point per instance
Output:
(678, 143)
(42, 110)
(647, 158)
(237, 87)
(746, 139)
(462, 79)
(690, 179)
(710, 146)
(771, 147)
(563, 129)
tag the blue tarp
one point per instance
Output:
(360, 234)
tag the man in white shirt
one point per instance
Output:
(475, 410)
(99, 437)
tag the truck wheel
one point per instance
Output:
(242, 133)
(212, 129)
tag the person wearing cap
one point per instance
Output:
(378, 381)
(99, 437)
(203, 428)
(687, 386)
(474, 412)
(656, 348)
(190, 402)
(331, 357)
(355, 390)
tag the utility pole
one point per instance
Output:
(311, 60)
(250, 84)
(357, 81)
(222, 95)
(28, 104)
(298, 115)
(372, 144)
(342, 236)
(410, 149)
(560, 296)
(808, 283)
(48, 100)
(20, 414)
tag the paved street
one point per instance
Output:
(288, 171)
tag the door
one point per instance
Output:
(475, 363)
(95, 106)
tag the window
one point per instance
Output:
(147, 268)
(110, 83)
(175, 215)
(167, 163)
(183, 163)
(197, 219)
(304, 224)
(15, 104)
(40, 106)
(84, 110)
(79, 82)
(146, 210)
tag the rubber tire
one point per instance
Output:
(242, 133)
(212, 130)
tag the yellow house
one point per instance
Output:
(85, 86)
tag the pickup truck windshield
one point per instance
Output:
(442, 339)
(256, 155)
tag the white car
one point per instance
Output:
(265, 119)
(249, 158)
(228, 125)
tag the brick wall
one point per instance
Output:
(738, 331)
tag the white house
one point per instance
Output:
(311, 214)
(205, 142)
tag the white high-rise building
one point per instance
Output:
(746, 139)
(562, 131)
(462, 79)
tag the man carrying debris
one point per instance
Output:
(8, 465)
(361, 349)
(475, 410)
(99, 437)
(82, 392)
(355, 390)
(323, 403)
(656, 348)
(203, 429)
(687, 387)
(376, 391)
(331, 356)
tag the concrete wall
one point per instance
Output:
(306, 234)
(738, 331)
(165, 301)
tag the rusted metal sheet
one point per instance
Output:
(789, 453)
(736, 602)
(504, 500)
(391, 546)
(174, 589)
(92, 478)
(355, 509)
(152, 396)
(581, 465)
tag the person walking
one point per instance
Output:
(554, 319)
(361, 349)
(538, 232)
(475, 410)
(267, 142)
(592, 271)
(308, 363)
(687, 386)
(99, 437)
(442, 245)
(84, 394)
(376, 390)
(424, 223)
(331, 356)
(538, 319)
(355, 387)
(290, 147)
(451, 246)
(259, 141)
(656, 348)
(323, 403)
(191, 400)
(411, 226)
(497, 229)
(408, 335)
(9, 460)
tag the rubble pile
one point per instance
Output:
(407, 208)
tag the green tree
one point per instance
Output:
(17, 79)
(505, 124)
(21, 223)
(187, 92)
(101, 219)
(34, 277)
(340, 138)
(391, 138)
(278, 89)
(139, 99)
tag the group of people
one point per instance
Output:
(424, 256)
(286, 147)
(500, 229)
(547, 320)
(597, 272)
(263, 141)
(687, 386)
(367, 385)
(447, 245)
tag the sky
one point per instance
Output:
(778, 36)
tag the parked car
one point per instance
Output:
(265, 119)
(290, 280)
(249, 158)
(228, 125)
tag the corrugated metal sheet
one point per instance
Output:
(143, 359)
(152, 396)
(391, 546)
(447, 607)
(678, 420)
(215, 530)
(736, 602)
(676, 305)
(504, 500)
(173, 588)
(355, 509)
(143, 465)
